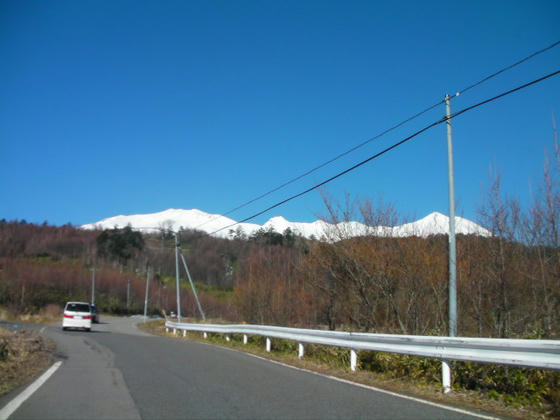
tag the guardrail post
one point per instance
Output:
(268, 344)
(446, 376)
(353, 360)
(205, 334)
(184, 333)
(166, 329)
(228, 338)
(244, 338)
(300, 350)
(174, 331)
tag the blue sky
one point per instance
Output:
(126, 107)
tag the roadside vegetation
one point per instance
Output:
(23, 355)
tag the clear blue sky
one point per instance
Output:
(126, 107)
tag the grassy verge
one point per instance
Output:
(47, 315)
(404, 374)
(23, 355)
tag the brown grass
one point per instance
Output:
(23, 355)
(48, 315)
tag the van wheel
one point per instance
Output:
(88, 329)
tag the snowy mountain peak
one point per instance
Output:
(438, 224)
(277, 219)
(176, 219)
(436, 215)
(278, 223)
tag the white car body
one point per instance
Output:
(77, 315)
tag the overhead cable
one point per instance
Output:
(481, 81)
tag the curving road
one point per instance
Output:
(119, 372)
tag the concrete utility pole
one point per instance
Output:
(177, 278)
(128, 293)
(446, 371)
(93, 285)
(452, 245)
(146, 298)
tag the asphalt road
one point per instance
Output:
(118, 372)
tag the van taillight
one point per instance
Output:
(68, 316)
(87, 317)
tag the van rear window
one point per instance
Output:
(77, 307)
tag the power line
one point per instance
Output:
(383, 133)
(375, 156)
(548, 76)
(333, 177)
(309, 172)
(508, 68)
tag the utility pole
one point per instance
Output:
(446, 371)
(452, 245)
(93, 286)
(146, 298)
(177, 278)
(128, 293)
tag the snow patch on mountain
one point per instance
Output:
(218, 225)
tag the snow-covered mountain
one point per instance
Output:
(176, 219)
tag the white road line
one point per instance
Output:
(383, 391)
(13, 405)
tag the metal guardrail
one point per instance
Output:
(544, 354)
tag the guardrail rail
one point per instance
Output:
(542, 354)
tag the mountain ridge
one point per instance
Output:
(175, 219)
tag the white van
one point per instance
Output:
(77, 315)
